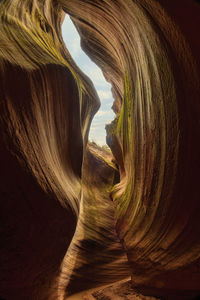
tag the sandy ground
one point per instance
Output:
(87, 295)
(120, 290)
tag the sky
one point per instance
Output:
(105, 114)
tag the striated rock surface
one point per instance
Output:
(120, 291)
(76, 216)
(147, 59)
(44, 123)
(95, 256)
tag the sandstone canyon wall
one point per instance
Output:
(74, 215)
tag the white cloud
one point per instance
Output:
(95, 74)
(73, 48)
(108, 113)
(101, 113)
(71, 38)
(104, 95)
(99, 139)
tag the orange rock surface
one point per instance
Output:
(76, 216)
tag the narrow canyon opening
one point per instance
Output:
(105, 114)
(76, 216)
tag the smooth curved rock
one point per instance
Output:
(41, 147)
(95, 256)
(150, 65)
(150, 55)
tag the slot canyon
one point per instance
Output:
(81, 221)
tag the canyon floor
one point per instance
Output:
(118, 291)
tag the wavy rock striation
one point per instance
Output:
(74, 215)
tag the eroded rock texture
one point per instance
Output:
(75, 216)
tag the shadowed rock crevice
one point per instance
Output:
(66, 224)
(153, 133)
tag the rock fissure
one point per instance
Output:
(76, 216)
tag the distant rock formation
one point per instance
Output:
(74, 215)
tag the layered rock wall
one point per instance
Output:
(141, 47)
(142, 220)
